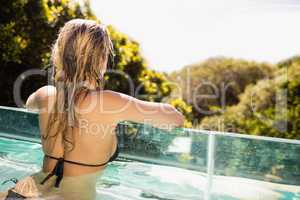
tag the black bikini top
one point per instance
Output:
(59, 167)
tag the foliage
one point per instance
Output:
(27, 30)
(185, 109)
(29, 27)
(295, 60)
(212, 85)
(135, 78)
(269, 108)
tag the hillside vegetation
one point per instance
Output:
(241, 96)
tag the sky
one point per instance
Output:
(175, 33)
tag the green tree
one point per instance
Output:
(130, 74)
(212, 85)
(185, 109)
(260, 110)
(29, 27)
(27, 30)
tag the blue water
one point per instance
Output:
(121, 179)
(124, 180)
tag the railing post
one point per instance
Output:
(210, 165)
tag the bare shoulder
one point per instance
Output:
(112, 94)
(117, 96)
(112, 102)
(36, 99)
(45, 91)
(114, 97)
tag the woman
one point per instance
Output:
(78, 118)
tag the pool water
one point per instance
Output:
(121, 179)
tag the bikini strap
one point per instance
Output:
(79, 163)
(58, 171)
(86, 165)
(59, 167)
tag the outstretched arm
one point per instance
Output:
(160, 115)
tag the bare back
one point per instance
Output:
(93, 139)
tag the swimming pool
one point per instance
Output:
(182, 165)
(121, 180)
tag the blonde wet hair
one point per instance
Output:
(79, 58)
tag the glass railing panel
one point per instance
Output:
(192, 164)
(248, 168)
(178, 159)
(179, 147)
